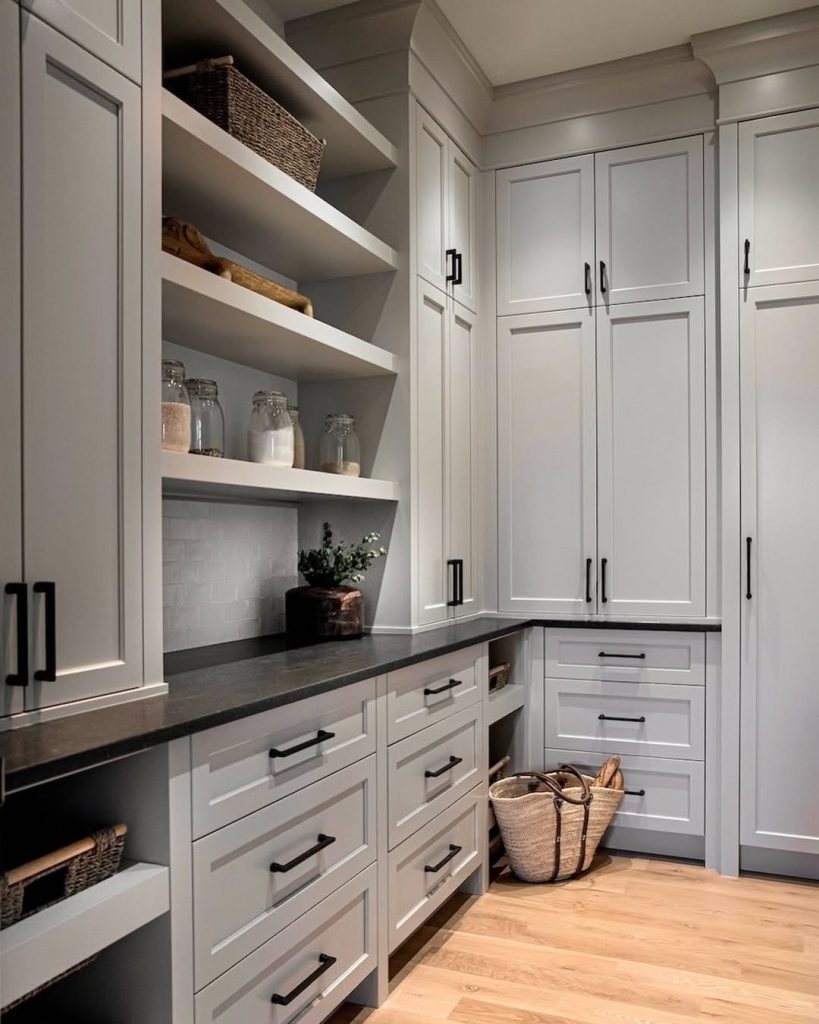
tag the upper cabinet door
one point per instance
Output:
(651, 458)
(779, 199)
(462, 450)
(463, 226)
(81, 367)
(650, 222)
(11, 533)
(110, 29)
(546, 463)
(545, 236)
(431, 172)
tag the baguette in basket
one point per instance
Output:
(552, 822)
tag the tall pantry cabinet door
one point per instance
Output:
(463, 225)
(81, 366)
(546, 463)
(779, 372)
(545, 236)
(431, 216)
(11, 534)
(651, 458)
(649, 202)
(462, 450)
(431, 511)
(779, 199)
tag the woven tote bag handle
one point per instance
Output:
(555, 788)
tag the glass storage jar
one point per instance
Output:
(207, 418)
(340, 451)
(270, 438)
(298, 438)
(176, 408)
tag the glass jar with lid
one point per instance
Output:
(340, 451)
(298, 437)
(176, 408)
(270, 438)
(207, 418)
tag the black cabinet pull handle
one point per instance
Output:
(322, 844)
(430, 691)
(49, 673)
(588, 574)
(452, 763)
(19, 591)
(460, 562)
(459, 268)
(320, 737)
(747, 267)
(748, 594)
(433, 869)
(603, 596)
(608, 654)
(457, 566)
(451, 274)
(325, 963)
(613, 718)
(634, 792)
(587, 278)
(603, 287)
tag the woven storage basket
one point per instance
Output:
(553, 832)
(222, 94)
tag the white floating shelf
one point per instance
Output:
(203, 477)
(206, 313)
(239, 199)
(45, 945)
(504, 702)
(193, 29)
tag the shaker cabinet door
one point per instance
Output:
(462, 470)
(463, 226)
(81, 369)
(431, 215)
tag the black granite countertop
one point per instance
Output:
(214, 685)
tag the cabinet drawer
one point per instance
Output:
(239, 901)
(426, 693)
(662, 795)
(337, 938)
(236, 773)
(660, 721)
(421, 783)
(455, 840)
(640, 656)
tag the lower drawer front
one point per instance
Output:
(426, 869)
(637, 655)
(331, 949)
(662, 795)
(431, 770)
(650, 719)
(240, 900)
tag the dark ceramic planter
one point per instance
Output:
(318, 614)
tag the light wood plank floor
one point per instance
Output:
(638, 941)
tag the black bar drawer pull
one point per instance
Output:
(587, 278)
(603, 564)
(613, 718)
(748, 594)
(603, 287)
(322, 844)
(19, 591)
(49, 673)
(634, 792)
(457, 566)
(747, 268)
(433, 869)
(608, 654)
(459, 268)
(588, 574)
(325, 963)
(430, 691)
(452, 763)
(450, 276)
(320, 737)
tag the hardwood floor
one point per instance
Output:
(639, 941)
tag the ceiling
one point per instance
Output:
(518, 39)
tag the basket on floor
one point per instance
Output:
(222, 94)
(552, 823)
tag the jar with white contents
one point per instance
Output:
(270, 438)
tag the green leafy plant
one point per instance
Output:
(330, 565)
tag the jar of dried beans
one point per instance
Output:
(176, 408)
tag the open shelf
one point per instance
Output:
(239, 199)
(200, 476)
(204, 312)
(193, 29)
(503, 702)
(52, 941)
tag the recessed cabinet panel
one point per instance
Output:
(431, 166)
(545, 236)
(463, 523)
(650, 221)
(546, 462)
(463, 216)
(779, 199)
(651, 458)
(779, 359)
(81, 366)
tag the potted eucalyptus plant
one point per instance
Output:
(326, 609)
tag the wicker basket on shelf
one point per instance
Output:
(499, 676)
(222, 94)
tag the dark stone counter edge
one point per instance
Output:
(47, 768)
